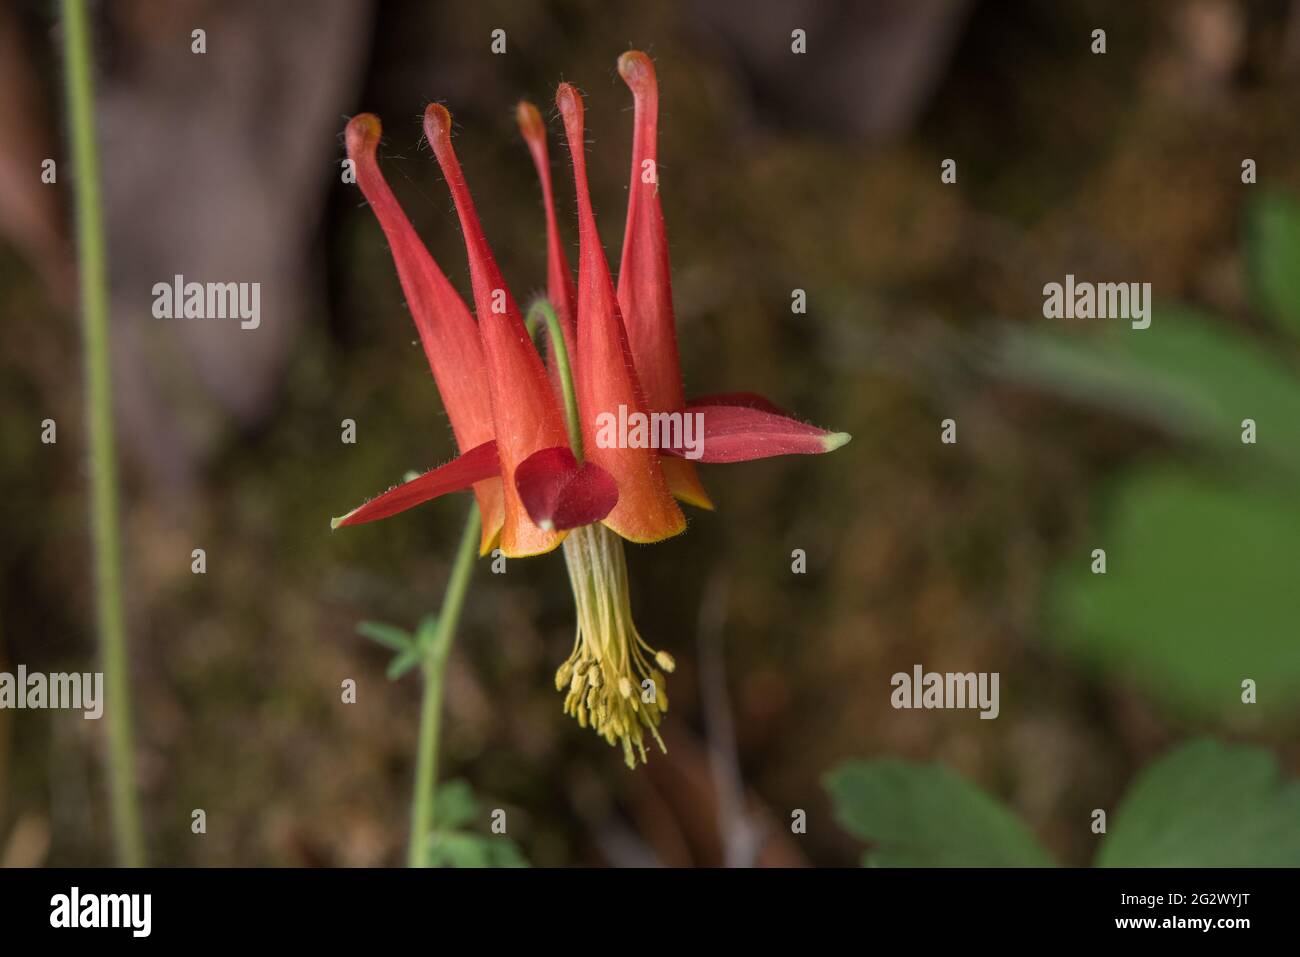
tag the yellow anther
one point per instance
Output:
(609, 666)
(562, 675)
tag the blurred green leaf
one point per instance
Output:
(506, 853)
(426, 634)
(1273, 259)
(404, 662)
(1204, 804)
(1207, 805)
(411, 648)
(459, 849)
(390, 636)
(1200, 591)
(426, 630)
(1183, 374)
(918, 815)
(455, 805)
(463, 849)
(452, 846)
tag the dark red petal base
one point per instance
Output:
(558, 493)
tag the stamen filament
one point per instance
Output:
(611, 682)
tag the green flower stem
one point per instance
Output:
(543, 309)
(127, 834)
(433, 669)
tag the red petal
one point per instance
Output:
(447, 330)
(477, 464)
(645, 293)
(749, 400)
(526, 416)
(559, 277)
(606, 378)
(644, 277)
(684, 482)
(561, 494)
(740, 433)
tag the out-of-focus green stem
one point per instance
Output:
(453, 599)
(99, 422)
(433, 670)
(543, 309)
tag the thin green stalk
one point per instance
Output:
(453, 599)
(556, 336)
(99, 421)
(433, 669)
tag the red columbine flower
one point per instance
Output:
(542, 481)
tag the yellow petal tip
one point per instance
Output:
(836, 440)
(696, 499)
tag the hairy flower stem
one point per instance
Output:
(453, 599)
(543, 309)
(127, 836)
(433, 670)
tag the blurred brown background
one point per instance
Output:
(779, 171)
